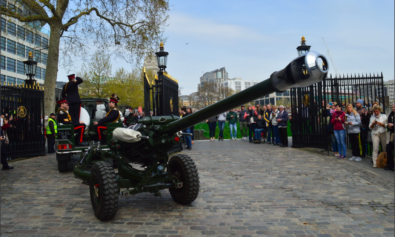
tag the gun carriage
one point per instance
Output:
(147, 144)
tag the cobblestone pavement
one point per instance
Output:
(250, 191)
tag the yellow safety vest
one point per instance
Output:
(55, 126)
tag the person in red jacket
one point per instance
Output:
(337, 120)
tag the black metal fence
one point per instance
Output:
(310, 115)
(25, 108)
(160, 95)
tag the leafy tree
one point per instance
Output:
(132, 28)
(96, 75)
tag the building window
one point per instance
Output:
(44, 58)
(37, 56)
(2, 64)
(3, 23)
(20, 81)
(38, 73)
(20, 51)
(11, 46)
(37, 40)
(45, 43)
(11, 80)
(43, 72)
(3, 3)
(21, 32)
(29, 36)
(11, 28)
(2, 44)
(11, 65)
(11, 7)
(28, 49)
(20, 67)
(2, 79)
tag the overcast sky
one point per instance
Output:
(252, 39)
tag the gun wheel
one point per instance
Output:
(103, 191)
(63, 166)
(184, 169)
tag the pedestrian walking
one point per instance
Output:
(243, 123)
(378, 125)
(353, 122)
(390, 145)
(232, 119)
(192, 128)
(4, 142)
(269, 126)
(221, 125)
(212, 124)
(251, 116)
(51, 131)
(282, 120)
(260, 128)
(340, 134)
(273, 119)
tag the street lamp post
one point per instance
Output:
(161, 56)
(30, 69)
(303, 48)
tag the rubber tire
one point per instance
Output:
(103, 174)
(188, 174)
(63, 166)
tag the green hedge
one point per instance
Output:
(206, 134)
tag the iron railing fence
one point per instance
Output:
(25, 106)
(310, 115)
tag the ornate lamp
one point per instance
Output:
(162, 57)
(303, 48)
(30, 69)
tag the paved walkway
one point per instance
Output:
(246, 190)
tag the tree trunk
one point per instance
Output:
(52, 68)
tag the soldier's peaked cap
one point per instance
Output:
(71, 76)
(61, 101)
(115, 100)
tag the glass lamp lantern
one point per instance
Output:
(30, 66)
(161, 56)
(303, 48)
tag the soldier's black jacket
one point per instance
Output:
(70, 91)
(111, 117)
(64, 117)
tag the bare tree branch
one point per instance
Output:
(113, 23)
(50, 7)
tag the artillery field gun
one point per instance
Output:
(148, 142)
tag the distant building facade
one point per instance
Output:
(16, 41)
(389, 90)
(217, 76)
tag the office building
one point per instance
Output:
(16, 41)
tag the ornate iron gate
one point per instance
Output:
(25, 106)
(310, 116)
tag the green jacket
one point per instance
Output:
(231, 120)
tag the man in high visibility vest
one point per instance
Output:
(52, 131)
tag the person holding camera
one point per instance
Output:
(70, 92)
(4, 142)
(337, 120)
(378, 125)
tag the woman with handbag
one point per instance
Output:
(251, 116)
(4, 142)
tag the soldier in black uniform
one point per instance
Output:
(111, 117)
(65, 118)
(70, 92)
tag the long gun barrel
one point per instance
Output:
(305, 70)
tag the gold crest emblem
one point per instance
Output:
(22, 111)
(306, 100)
